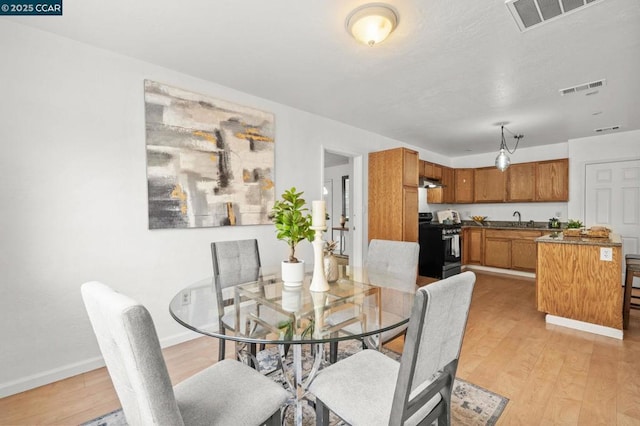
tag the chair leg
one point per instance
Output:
(221, 349)
(322, 414)
(626, 305)
(333, 352)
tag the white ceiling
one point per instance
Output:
(445, 77)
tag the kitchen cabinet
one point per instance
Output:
(573, 281)
(521, 182)
(501, 248)
(431, 170)
(489, 185)
(393, 195)
(552, 180)
(497, 250)
(449, 185)
(463, 185)
(472, 239)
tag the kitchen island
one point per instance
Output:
(579, 282)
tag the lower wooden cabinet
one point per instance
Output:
(472, 239)
(501, 248)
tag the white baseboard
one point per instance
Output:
(584, 326)
(499, 271)
(45, 377)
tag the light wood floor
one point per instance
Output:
(551, 374)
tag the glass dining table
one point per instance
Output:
(360, 305)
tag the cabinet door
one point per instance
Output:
(435, 196)
(472, 240)
(410, 214)
(552, 180)
(411, 164)
(464, 185)
(448, 181)
(523, 255)
(497, 252)
(489, 185)
(521, 182)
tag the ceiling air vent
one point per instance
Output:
(529, 13)
(582, 87)
(606, 129)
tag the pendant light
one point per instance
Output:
(371, 23)
(502, 160)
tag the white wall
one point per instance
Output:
(73, 198)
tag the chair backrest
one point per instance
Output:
(398, 259)
(433, 340)
(131, 350)
(234, 262)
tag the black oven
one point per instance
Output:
(440, 249)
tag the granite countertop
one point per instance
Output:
(614, 240)
(501, 224)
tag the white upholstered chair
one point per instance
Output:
(227, 393)
(234, 262)
(392, 264)
(369, 388)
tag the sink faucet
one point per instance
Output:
(519, 217)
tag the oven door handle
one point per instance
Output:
(447, 237)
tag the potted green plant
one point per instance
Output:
(574, 228)
(293, 224)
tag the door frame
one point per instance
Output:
(356, 199)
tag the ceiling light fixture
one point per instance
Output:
(371, 23)
(502, 160)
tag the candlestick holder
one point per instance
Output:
(319, 281)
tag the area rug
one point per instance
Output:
(470, 404)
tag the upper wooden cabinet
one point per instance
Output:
(463, 185)
(552, 180)
(449, 185)
(521, 182)
(393, 195)
(410, 167)
(489, 185)
(431, 170)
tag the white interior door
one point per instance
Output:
(612, 199)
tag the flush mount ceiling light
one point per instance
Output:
(502, 160)
(371, 23)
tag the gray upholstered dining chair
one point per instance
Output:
(227, 393)
(234, 262)
(369, 388)
(392, 264)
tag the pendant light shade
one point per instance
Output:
(371, 23)
(502, 160)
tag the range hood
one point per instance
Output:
(430, 183)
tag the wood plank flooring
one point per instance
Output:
(551, 374)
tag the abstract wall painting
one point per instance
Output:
(209, 162)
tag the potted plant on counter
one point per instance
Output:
(574, 228)
(293, 224)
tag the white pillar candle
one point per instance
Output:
(318, 217)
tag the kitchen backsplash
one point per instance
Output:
(539, 212)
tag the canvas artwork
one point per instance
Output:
(209, 162)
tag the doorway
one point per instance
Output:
(612, 199)
(342, 188)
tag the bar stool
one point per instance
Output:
(633, 270)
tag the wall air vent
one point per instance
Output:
(606, 129)
(582, 87)
(530, 13)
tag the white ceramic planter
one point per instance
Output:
(293, 273)
(291, 298)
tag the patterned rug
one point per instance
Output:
(470, 404)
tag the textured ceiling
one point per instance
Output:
(445, 77)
